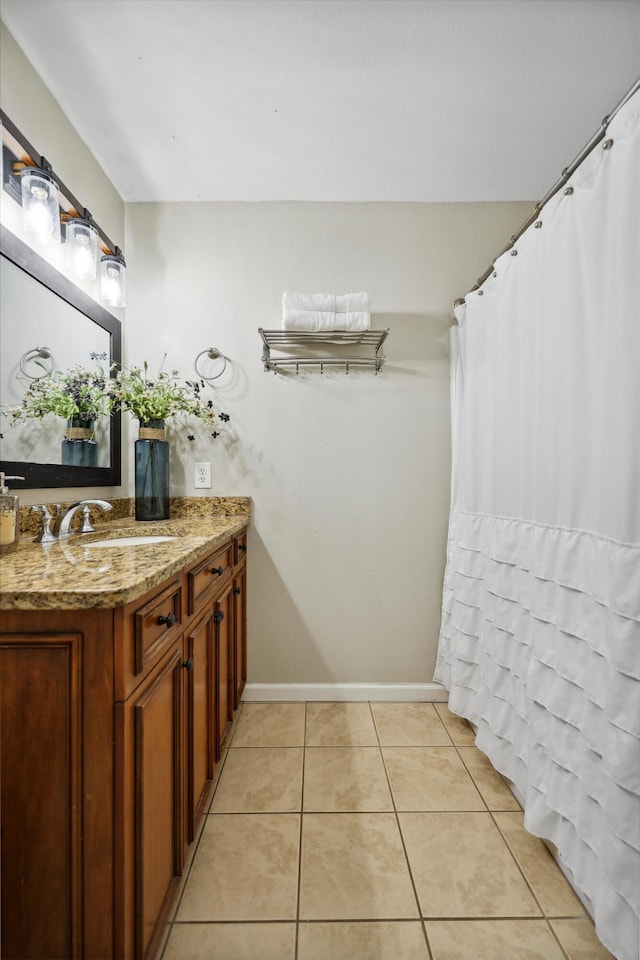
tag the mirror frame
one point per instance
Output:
(42, 475)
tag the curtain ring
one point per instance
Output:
(213, 354)
(607, 145)
(568, 191)
(38, 355)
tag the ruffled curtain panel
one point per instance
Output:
(540, 637)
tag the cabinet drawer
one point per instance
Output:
(205, 578)
(156, 626)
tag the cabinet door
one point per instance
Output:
(41, 804)
(201, 719)
(223, 617)
(240, 634)
(153, 768)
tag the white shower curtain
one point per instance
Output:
(540, 637)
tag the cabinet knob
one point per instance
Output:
(188, 664)
(217, 570)
(236, 590)
(242, 546)
(218, 616)
(169, 620)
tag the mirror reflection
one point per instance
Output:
(48, 325)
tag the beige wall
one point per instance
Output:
(30, 105)
(349, 474)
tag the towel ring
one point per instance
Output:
(213, 354)
(38, 355)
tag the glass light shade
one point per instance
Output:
(113, 281)
(82, 248)
(40, 208)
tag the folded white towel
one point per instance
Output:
(325, 302)
(322, 302)
(315, 321)
(352, 303)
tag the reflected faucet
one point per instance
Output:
(65, 525)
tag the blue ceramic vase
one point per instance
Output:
(152, 472)
(79, 448)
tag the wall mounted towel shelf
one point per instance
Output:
(304, 349)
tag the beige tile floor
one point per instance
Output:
(357, 831)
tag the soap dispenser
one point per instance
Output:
(8, 516)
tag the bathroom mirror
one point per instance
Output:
(40, 308)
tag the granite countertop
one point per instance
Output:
(68, 575)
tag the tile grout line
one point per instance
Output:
(513, 856)
(517, 863)
(472, 778)
(555, 936)
(404, 848)
(304, 756)
(502, 836)
(493, 811)
(465, 746)
(544, 917)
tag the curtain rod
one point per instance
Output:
(562, 179)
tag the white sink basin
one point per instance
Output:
(128, 541)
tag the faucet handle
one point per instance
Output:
(46, 534)
(86, 513)
(86, 520)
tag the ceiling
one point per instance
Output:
(345, 100)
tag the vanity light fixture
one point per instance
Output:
(40, 203)
(28, 178)
(113, 279)
(82, 247)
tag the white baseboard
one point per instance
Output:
(399, 692)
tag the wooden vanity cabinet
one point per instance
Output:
(175, 726)
(56, 771)
(240, 631)
(224, 637)
(200, 726)
(148, 804)
(209, 593)
(112, 723)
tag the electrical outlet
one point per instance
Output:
(203, 475)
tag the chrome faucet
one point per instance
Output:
(65, 524)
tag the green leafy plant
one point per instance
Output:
(76, 393)
(161, 397)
